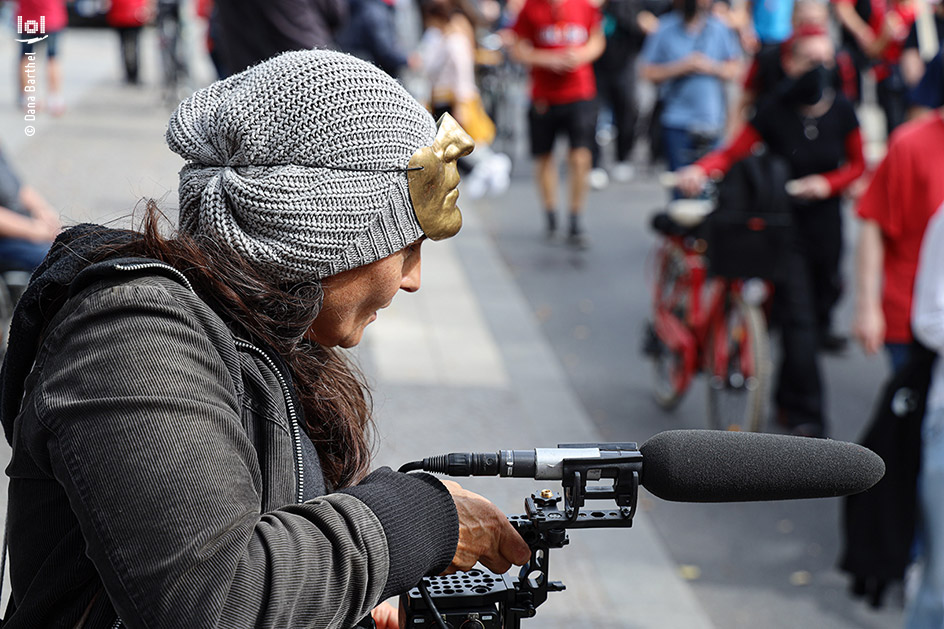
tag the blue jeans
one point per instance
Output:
(21, 255)
(926, 610)
(682, 147)
(897, 355)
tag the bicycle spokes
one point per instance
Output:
(738, 374)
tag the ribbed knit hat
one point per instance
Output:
(299, 163)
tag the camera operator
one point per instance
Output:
(189, 448)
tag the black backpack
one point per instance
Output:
(751, 228)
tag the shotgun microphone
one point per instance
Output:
(697, 465)
(718, 466)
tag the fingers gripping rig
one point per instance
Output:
(481, 599)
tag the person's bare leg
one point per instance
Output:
(54, 83)
(21, 97)
(579, 162)
(546, 174)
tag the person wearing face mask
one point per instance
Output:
(816, 132)
(766, 69)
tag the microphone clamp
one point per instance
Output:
(485, 599)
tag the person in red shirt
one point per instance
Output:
(874, 32)
(128, 17)
(51, 14)
(905, 191)
(559, 40)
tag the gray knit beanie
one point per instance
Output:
(299, 164)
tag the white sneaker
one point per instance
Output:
(475, 184)
(498, 174)
(605, 135)
(599, 179)
(623, 172)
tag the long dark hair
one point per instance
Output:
(333, 392)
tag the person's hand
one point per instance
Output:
(811, 188)
(386, 616)
(47, 216)
(414, 61)
(563, 61)
(691, 180)
(893, 27)
(52, 222)
(647, 21)
(869, 328)
(749, 41)
(485, 534)
(491, 10)
(698, 63)
(43, 230)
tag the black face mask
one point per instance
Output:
(807, 89)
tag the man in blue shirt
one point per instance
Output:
(690, 58)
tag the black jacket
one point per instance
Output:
(160, 473)
(370, 33)
(252, 31)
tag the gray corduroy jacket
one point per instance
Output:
(160, 477)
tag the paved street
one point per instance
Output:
(513, 342)
(751, 565)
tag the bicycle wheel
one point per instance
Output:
(738, 361)
(669, 381)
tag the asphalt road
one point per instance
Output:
(751, 565)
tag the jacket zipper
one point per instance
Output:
(156, 265)
(117, 623)
(292, 414)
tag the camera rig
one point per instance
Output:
(479, 598)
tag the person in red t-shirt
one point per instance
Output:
(905, 191)
(874, 32)
(51, 14)
(559, 40)
(128, 17)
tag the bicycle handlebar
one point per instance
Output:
(670, 179)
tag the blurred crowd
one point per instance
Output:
(731, 79)
(713, 64)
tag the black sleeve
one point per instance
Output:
(334, 13)
(912, 40)
(848, 120)
(625, 12)
(383, 44)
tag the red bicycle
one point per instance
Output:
(708, 324)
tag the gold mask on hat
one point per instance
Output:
(433, 179)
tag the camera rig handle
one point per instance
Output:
(481, 599)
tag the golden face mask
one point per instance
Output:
(433, 179)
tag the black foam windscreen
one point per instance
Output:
(721, 466)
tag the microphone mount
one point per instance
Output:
(481, 599)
